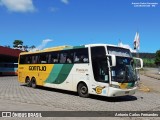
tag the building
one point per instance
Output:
(8, 61)
(9, 54)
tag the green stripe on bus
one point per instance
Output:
(73, 47)
(76, 47)
(59, 73)
(68, 48)
(54, 73)
(63, 73)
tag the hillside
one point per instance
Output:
(145, 55)
(148, 59)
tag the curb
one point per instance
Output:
(151, 76)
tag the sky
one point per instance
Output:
(80, 22)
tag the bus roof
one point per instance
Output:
(65, 47)
(49, 49)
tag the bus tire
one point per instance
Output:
(28, 82)
(33, 83)
(83, 90)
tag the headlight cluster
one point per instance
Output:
(136, 84)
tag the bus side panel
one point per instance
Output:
(80, 73)
(60, 77)
(21, 77)
(39, 71)
(68, 76)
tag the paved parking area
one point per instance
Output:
(17, 97)
(151, 72)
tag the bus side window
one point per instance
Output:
(70, 56)
(22, 59)
(85, 60)
(49, 58)
(66, 56)
(69, 60)
(43, 58)
(76, 59)
(55, 57)
(81, 55)
(26, 59)
(29, 59)
(34, 59)
(63, 57)
(37, 59)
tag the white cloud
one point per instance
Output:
(42, 45)
(18, 5)
(126, 46)
(65, 1)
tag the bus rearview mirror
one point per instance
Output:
(112, 60)
(138, 63)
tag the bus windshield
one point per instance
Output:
(124, 71)
(119, 51)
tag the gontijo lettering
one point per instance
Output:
(37, 68)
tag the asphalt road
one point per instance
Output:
(17, 97)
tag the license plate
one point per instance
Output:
(127, 92)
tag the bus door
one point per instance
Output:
(100, 70)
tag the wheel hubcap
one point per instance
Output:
(83, 90)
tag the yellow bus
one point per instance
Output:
(99, 69)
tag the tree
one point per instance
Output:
(157, 60)
(25, 47)
(32, 47)
(17, 42)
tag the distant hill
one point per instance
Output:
(148, 59)
(145, 55)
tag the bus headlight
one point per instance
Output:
(136, 84)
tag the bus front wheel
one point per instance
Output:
(28, 82)
(83, 90)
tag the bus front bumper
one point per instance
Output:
(114, 92)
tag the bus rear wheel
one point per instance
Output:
(33, 83)
(28, 83)
(83, 90)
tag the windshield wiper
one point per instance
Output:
(128, 74)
